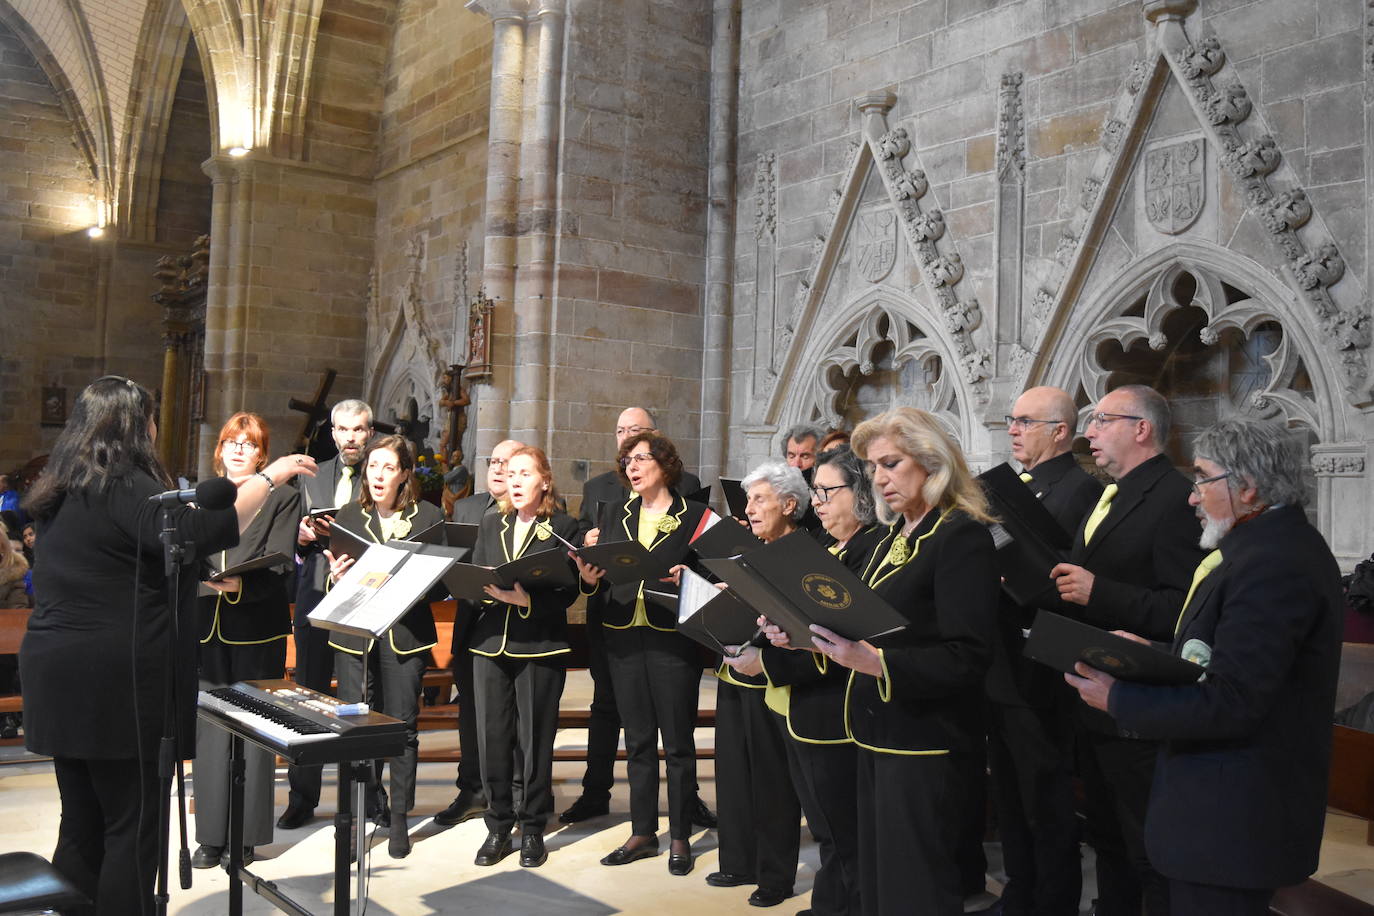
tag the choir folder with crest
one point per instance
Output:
(796, 582)
(1029, 540)
(1060, 642)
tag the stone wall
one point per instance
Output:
(183, 200)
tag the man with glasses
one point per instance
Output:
(470, 801)
(1129, 568)
(603, 729)
(336, 484)
(1030, 733)
(1240, 795)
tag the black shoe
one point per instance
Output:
(680, 863)
(624, 856)
(295, 816)
(207, 856)
(764, 897)
(465, 807)
(700, 814)
(377, 808)
(532, 851)
(728, 879)
(584, 809)
(398, 845)
(494, 849)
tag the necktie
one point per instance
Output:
(1100, 512)
(343, 492)
(1209, 563)
(1025, 478)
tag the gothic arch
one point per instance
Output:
(1103, 317)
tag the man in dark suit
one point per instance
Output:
(1030, 734)
(336, 484)
(603, 729)
(1129, 568)
(1240, 790)
(470, 800)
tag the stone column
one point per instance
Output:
(720, 240)
(223, 180)
(499, 254)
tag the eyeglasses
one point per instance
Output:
(236, 445)
(639, 458)
(498, 463)
(822, 494)
(1023, 422)
(1102, 419)
(632, 430)
(1199, 482)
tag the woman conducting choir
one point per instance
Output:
(519, 644)
(393, 667)
(912, 698)
(655, 672)
(808, 691)
(760, 815)
(103, 611)
(243, 624)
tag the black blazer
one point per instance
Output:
(537, 631)
(415, 631)
(815, 687)
(470, 510)
(261, 611)
(607, 488)
(318, 493)
(1069, 493)
(927, 702)
(615, 604)
(1240, 790)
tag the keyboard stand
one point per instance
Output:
(350, 773)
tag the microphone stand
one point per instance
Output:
(168, 758)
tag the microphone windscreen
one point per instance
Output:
(216, 493)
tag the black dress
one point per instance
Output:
(103, 611)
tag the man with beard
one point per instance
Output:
(334, 486)
(1240, 791)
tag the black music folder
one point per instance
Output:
(702, 496)
(735, 498)
(626, 561)
(266, 561)
(460, 536)
(542, 569)
(1029, 541)
(725, 538)
(712, 616)
(1060, 641)
(796, 582)
(343, 542)
(328, 511)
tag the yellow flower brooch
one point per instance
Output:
(542, 531)
(667, 524)
(401, 528)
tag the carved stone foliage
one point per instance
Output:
(1175, 185)
(765, 197)
(1011, 126)
(1336, 464)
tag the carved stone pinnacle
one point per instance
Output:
(879, 103)
(1166, 10)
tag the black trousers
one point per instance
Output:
(826, 778)
(760, 816)
(603, 727)
(656, 676)
(470, 764)
(393, 688)
(107, 838)
(1189, 899)
(222, 664)
(517, 707)
(1031, 755)
(908, 828)
(1117, 775)
(314, 669)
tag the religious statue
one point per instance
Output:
(479, 338)
(457, 482)
(452, 405)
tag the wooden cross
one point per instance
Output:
(315, 411)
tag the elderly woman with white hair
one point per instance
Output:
(760, 815)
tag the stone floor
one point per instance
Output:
(439, 877)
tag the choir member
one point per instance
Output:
(519, 643)
(391, 669)
(655, 672)
(910, 705)
(244, 622)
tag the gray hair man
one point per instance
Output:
(799, 445)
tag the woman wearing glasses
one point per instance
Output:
(808, 691)
(392, 668)
(244, 622)
(912, 695)
(655, 671)
(519, 641)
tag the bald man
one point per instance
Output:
(470, 802)
(603, 731)
(1030, 727)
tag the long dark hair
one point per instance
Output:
(106, 439)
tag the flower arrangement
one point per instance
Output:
(429, 476)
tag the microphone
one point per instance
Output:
(213, 493)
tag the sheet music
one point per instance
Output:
(379, 588)
(693, 592)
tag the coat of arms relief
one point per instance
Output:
(1175, 185)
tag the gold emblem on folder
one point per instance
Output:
(826, 592)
